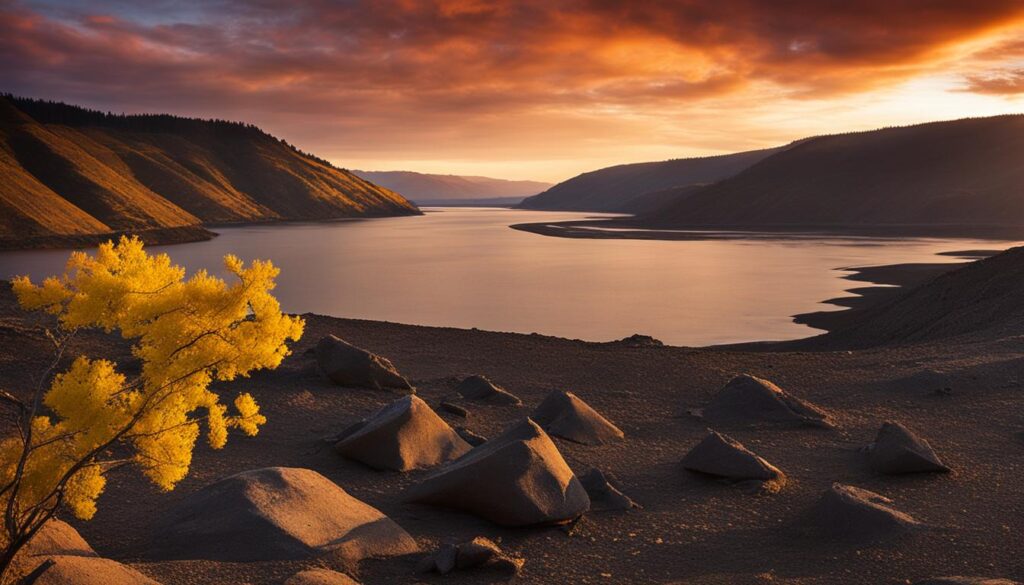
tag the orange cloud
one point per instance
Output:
(420, 79)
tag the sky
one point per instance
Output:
(536, 89)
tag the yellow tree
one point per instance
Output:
(75, 426)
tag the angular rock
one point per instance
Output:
(348, 365)
(482, 389)
(277, 513)
(966, 581)
(320, 577)
(748, 399)
(723, 457)
(896, 450)
(850, 512)
(79, 570)
(563, 414)
(403, 435)
(603, 492)
(470, 437)
(516, 479)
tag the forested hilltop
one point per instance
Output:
(74, 175)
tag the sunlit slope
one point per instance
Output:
(961, 173)
(76, 172)
(618, 188)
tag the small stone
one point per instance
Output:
(454, 409)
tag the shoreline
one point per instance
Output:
(630, 229)
(166, 236)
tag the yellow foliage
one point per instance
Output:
(187, 333)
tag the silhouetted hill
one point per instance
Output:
(613, 188)
(427, 189)
(73, 175)
(984, 297)
(954, 176)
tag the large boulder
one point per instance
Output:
(850, 512)
(348, 365)
(403, 435)
(481, 389)
(516, 479)
(79, 570)
(58, 555)
(320, 577)
(563, 414)
(896, 450)
(720, 456)
(748, 399)
(57, 537)
(277, 513)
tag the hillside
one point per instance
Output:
(958, 176)
(985, 297)
(613, 188)
(73, 176)
(427, 189)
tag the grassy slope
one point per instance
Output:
(94, 179)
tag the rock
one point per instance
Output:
(58, 555)
(638, 340)
(470, 437)
(896, 450)
(604, 494)
(721, 456)
(477, 553)
(481, 389)
(57, 537)
(79, 570)
(445, 558)
(454, 409)
(277, 513)
(516, 479)
(747, 399)
(320, 577)
(348, 365)
(563, 414)
(966, 581)
(403, 435)
(849, 512)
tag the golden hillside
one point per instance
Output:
(74, 175)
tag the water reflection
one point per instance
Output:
(463, 267)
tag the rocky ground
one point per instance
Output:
(963, 395)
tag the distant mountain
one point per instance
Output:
(73, 176)
(427, 189)
(957, 177)
(616, 188)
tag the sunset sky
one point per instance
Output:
(540, 89)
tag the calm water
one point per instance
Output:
(466, 268)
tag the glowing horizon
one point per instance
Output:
(527, 90)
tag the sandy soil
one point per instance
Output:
(691, 530)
